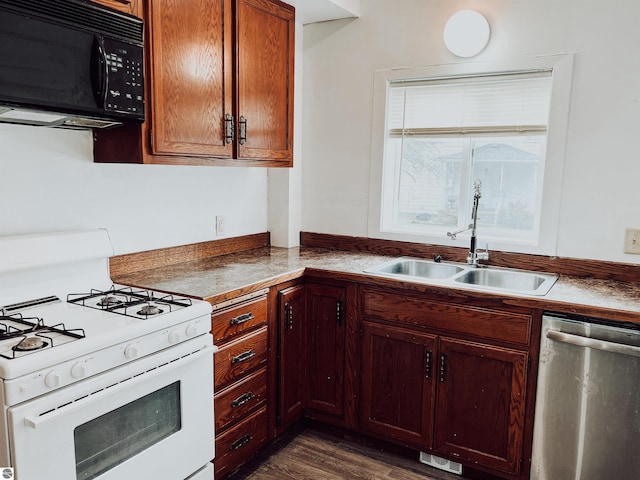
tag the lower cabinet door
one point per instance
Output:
(292, 364)
(398, 387)
(237, 445)
(481, 404)
(326, 330)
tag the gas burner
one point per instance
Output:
(29, 344)
(150, 310)
(131, 302)
(31, 335)
(109, 301)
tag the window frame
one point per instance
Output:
(561, 67)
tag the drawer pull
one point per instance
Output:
(242, 399)
(245, 317)
(243, 357)
(240, 442)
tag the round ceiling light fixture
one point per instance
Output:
(466, 33)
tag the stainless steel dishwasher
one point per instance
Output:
(587, 418)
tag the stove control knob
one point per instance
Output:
(79, 370)
(130, 352)
(174, 337)
(53, 379)
(191, 330)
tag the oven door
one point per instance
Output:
(152, 418)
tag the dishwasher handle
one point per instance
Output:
(603, 345)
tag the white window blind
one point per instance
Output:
(498, 104)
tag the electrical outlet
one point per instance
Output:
(632, 240)
(220, 225)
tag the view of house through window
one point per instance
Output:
(443, 134)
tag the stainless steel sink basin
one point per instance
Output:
(509, 280)
(453, 274)
(413, 267)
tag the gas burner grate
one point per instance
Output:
(25, 329)
(129, 301)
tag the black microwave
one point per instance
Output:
(70, 64)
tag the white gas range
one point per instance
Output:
(99, 381)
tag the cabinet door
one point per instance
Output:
(326, 348)
(190, 45)
(291, 362)
(481, 403)
(398, 390)
(126, 6)
(265, 59)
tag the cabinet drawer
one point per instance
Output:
(240, 399)
(237, 445)
(484, 323)
(240, 357)
(237, 319)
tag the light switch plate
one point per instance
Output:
(632, 241)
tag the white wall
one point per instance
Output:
(602, 165)
(284, 184)
(48, 182)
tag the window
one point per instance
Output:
(443, 132)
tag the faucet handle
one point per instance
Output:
(483, 255)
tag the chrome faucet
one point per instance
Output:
(474, 255)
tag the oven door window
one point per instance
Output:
(108, 440)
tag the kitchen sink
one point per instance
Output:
(511, 280)
(455, 274)
(414, 267)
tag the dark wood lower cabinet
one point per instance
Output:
(428, 374)
(435, 381)
(398, 387)
(481, 404)
(291, 377)
(325, 349)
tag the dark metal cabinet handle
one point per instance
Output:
(245, 317)
(243, 357)
(339, 312)
(240, 442)
(428, 365)
(243, 130)
(443, 368)
(229, 128)
(288, 316)
(242, 399)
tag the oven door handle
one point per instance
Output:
(35, 421)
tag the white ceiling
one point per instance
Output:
(312, 11)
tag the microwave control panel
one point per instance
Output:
(125, 79)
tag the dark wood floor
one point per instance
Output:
(313, 455)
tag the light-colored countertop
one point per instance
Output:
(220, 278)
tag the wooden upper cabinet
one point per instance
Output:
(265, 70)
(190, 76)
(126, 6)
(219, 85)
